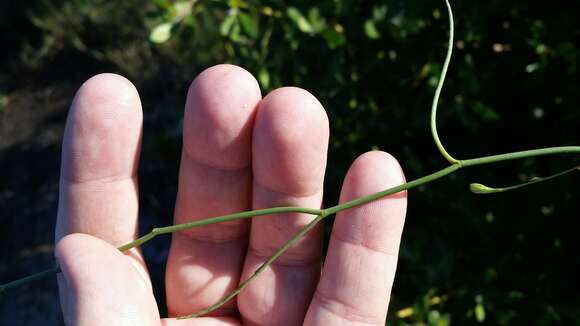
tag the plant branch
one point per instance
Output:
(322, 213)
(29, 279)
(366, 199)
(260, 269)
(520, 155)
(219, 219)
(481, 189)
(440, 87)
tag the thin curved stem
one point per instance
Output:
(219, 219)
(260, 269)
(481, 189)
(436, 139)
(366, 199)
(322, 212)
(409, 185)
(521, 154)
(29, 279)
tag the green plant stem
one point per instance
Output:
(260, 269)
(366, 199)
(219, 219)
(321, 212)
(29, 279)
(440, 87)
(520, 155)
(480, 189)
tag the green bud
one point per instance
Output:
(478, 188)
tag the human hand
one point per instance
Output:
(240, 152)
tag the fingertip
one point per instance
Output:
(103, 130)
(108, 86)
(291, 142)
(219, 115)
(291, 112)
(379, 223)
(371, 172)
(230, 76)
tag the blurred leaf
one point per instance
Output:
(300, 21)
(182, 9)
(227, 23)
(371, 30)
(479, 309)
(380, 12)
(164, 4)
(479, 313)
(161, 33)
(484, 112)
(316, 20)
(332, 37)
(235, 32)
(249, 24)
(264, 78)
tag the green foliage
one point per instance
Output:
(513, 85)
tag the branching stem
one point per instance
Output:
(320, 214)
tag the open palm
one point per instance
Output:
(240, 152)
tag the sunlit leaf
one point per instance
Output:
(226, 25)
(380, 12)
(161, 33)
(479, 309)
(316, 20)
(165, 4)
(479, 313)
(182, 9)
(249, 24)
(300, 21)
(264, 78)
(371, 30)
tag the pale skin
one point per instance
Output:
(240, 152)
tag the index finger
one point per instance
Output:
(98, 184)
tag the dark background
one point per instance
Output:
(507, 259)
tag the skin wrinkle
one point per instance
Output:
(344, 310)
(362, 243)
(278, 279)
(277, 192)
(284, 225)
(209, 165)
(355, 234)
(104, 180)
(288, 259)
(222, 232)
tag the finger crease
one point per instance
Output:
(288, 259)
(363, 244)
(344, 310)
(225, 169)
